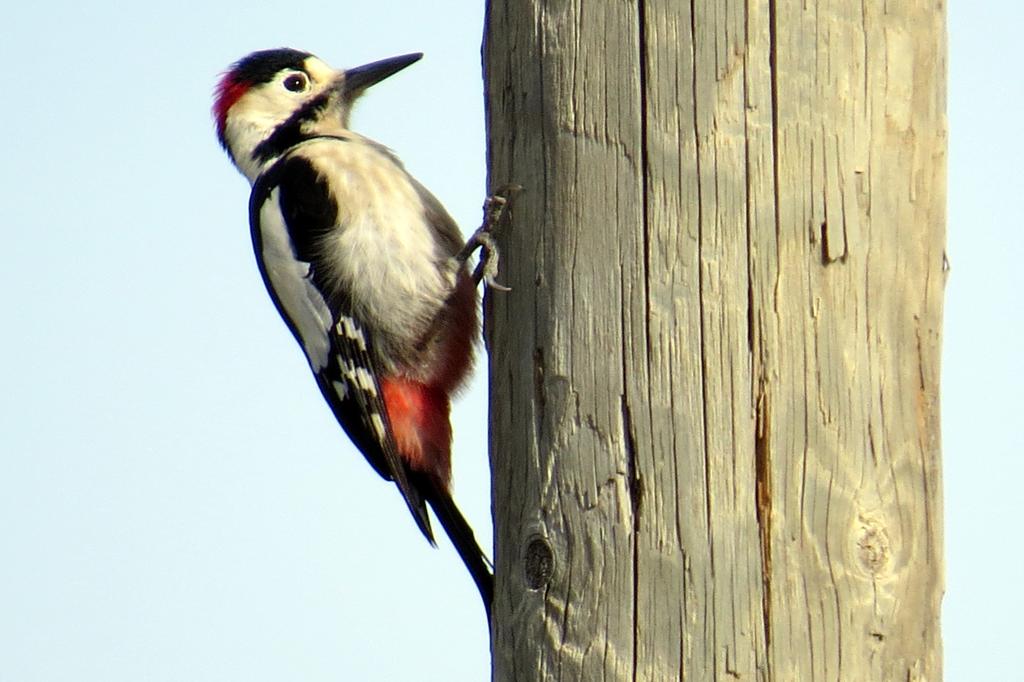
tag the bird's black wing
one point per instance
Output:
(290, 210)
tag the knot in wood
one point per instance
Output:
(538, 562)
(873, 546)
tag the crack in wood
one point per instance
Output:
(763, 506)
(634, 483)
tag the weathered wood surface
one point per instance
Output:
(714, 385)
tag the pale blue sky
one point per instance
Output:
(176, 503)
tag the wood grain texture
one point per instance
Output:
(714, 385)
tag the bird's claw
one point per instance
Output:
(487, 268)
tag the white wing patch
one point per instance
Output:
(341, 389)
(290, 279)
(378, 426)
(347, 328)
(359, 377)
(356, 381)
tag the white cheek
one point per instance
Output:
(242, 137)
(252, 120)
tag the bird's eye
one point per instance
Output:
(297, 82)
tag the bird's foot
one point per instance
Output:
(483, 239)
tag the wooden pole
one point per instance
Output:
(714, 385)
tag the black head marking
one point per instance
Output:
(289, 133)
(261, 67)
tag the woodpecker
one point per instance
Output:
(366, 267)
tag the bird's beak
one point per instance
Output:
(361, 77)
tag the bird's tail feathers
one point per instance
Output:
(460, 533)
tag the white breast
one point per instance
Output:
(384, 253)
